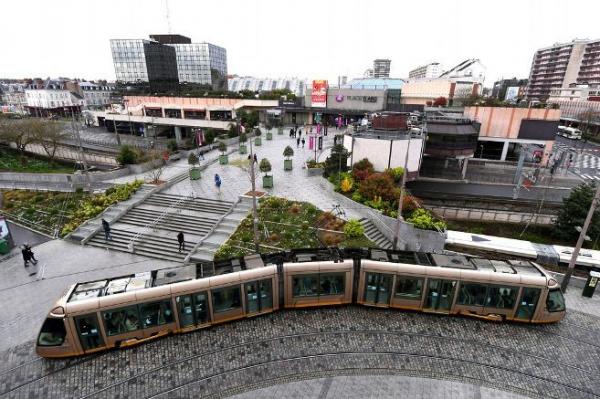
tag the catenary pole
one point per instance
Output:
(582, 235)
(253, 181)
(401, 198)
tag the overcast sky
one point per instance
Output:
(306, 38)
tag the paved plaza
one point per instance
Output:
(340, 352)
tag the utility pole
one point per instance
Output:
(582, 236)
(400, 219)
(83, 159)
(116, 132)
(253, 181)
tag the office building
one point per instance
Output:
(429, 71)
(144, 62)
(201, 63)
(381, 68)
(562, 65)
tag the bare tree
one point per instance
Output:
(155, 174)
(49, 134)
(17, 132)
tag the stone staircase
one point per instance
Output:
(153, 246)
(205, 251)
(191, 204)
(153, 225)
(373, 234)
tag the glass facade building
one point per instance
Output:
(168, 60)
(202, 63)
(144, 61)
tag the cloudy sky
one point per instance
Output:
(305, 38)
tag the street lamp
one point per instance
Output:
(400, 219)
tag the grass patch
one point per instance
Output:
(284, 225)
(13, 161)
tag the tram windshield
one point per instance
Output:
(53, 333)
(555, 301)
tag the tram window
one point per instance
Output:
(501, 297)
(305, 285)
(472, 294)
(120, 321)
(332, 284)
(555, 301)
(156, 313)
(225, 299)
(53, 333)
(409, 288)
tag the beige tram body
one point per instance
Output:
(78, 324)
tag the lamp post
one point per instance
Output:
(253, 182)
(400, 219)
(582, 237)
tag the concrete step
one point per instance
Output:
(174, 214)
(207, 208)
(174, 198)
(174, 219)
(146, 245)
(373, 234)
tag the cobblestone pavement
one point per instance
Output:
(557, 361)
(376, 386)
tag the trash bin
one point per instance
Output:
(590, 284)
(4, 248)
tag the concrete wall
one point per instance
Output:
(378, 152)
(505, 122)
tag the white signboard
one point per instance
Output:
(512, 93)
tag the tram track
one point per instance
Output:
(343, 335)
(314, 336)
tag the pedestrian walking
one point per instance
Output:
(298, 142)
(291, 132)
(299, 133)
(200, 155)
(255, 159)
(27, 255)
(181, 241)
(218, 182)
(106, 228)
(303, 143)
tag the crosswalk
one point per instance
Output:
(586, 176)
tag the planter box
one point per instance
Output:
(223, 159)
(280, 130)
(194, 173)
(314, 171)
(243, 149)
(287, 164)
(269, 136)
(268, 181)
(257, 141)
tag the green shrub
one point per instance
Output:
(356, 196)
(265, 165)
(288, 151)
(127, 155)
(379, 185)
(395, 173)
(353, 229)
(423, 219)
(362, 169)
(222, 146)
(209, 136)
(172, 145)
(192, 159)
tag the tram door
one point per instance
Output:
(193, 309)
(377, 288)
(89, 333)
(527, 303)
(440, 294)
(259, 296)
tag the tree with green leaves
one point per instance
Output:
(574, 211)
(337, 160)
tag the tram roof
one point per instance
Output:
(161, 277)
